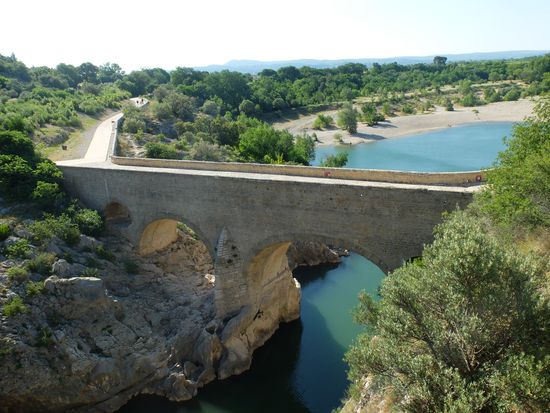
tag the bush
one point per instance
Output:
(42, 263)
(18, 274)
(44, 338)
(14, 306)
(519, 185)
(159, 150)
(322, 122)
(47, 195)
(19, 249)
(335, 161)
(90, 272)
(62, 227)
(102, 253)
(34, 288)
(443, 331)
(4, 231)
(133, 125)
(131, 267)
(408, 109)
(89, 221)
(470, 100)
(449, 105)
(513, 94)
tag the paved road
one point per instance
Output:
(98, 151)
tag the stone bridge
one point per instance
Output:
(248, 219)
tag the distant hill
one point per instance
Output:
(255, 66)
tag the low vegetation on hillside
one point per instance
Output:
(466, 328)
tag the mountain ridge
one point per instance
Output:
(256, 66)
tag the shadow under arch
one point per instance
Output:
(117, 214)
(157, 234)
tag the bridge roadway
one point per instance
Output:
(247, 220)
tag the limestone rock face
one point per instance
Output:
(312, 253)
(88, 344)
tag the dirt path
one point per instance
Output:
(94, 144)
(78, 143)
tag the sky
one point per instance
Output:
(169, 33)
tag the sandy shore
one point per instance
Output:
(413, 124)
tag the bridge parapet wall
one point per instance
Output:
(468, 178)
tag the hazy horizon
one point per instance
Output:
(136, 35)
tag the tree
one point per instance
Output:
(264, 144)
(158, 150)
(322, 121)
(88, 72)
(109, 72)
(338, 160)
(70, 73)
(16, 143)
(454, 329)
(211, 108)
(440, 60)
(247, 107)
(519, 185)
(347, 118)
(370, 115)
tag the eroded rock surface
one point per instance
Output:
(90, 340)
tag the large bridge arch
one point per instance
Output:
(340, 242)
(155, 234)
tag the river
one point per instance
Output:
(466, 147)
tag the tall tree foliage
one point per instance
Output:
(519, 185)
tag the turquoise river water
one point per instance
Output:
(301, 368)
(460, 148)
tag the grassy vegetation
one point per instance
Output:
(14, 306)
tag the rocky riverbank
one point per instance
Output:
(97, 324)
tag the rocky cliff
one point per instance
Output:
(101, 324)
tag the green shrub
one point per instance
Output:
(513, 94)
(19, 249)
(42, 263)
(62, 227)
(34, 288)
(104, 254)
(470, 100)
(44, 338)
(335, 161)
(48, 195)
(158, 150)
(471, 296)
(408, 109)
(14, 306)
(322, 121)
(131, 267)
(4, 231)
(89, 221)
(18, 274)
(449, 105)
(90, 272)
